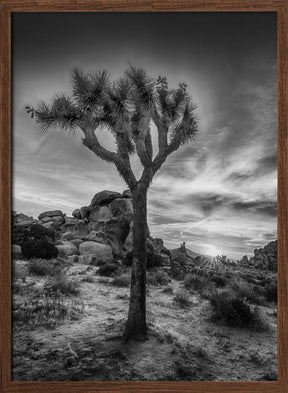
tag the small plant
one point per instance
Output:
(197, 282)
(40, 267)
(88, 279)
(227, 307)
(62, 285)
(108, 269)
(160, 277)
(245, 291)
(182, 299)
(46, 310)
(219, 280)
(122, 281)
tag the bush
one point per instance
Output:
(219, 280)
(108, 269)
(35, 232)
(196, 282)
(271, 292)
(39, 249)
(60, 284)
(182, 299)
(154, 260)
(227, 307)
(122, 280)
(39, 267)
(88, 279)
(245, 291)
(38, 232)
(160, 277)
(46, 310)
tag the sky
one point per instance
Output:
(218, 194)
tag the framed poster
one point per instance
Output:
(143, 202)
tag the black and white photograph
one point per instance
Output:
(144, 196)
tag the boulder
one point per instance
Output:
(104, 197)
(122, 206)
(66, 236)
(58, 220)
(116, 230)
(127, 194)
(101, 214)
(84, 212)
(67, 248)
(51, 213)
(97, 236)
(16, 251)
(27, 222)
(46, 219)
(49, 225)
(76, 242)
(70, 221)
(80, 229)
(87, 259)
(102, 252)
(95, 226)
(77, 214)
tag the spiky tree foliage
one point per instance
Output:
(126, 108)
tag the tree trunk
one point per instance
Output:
(136, 327)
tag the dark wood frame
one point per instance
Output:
(9, 6)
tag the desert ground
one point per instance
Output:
(69, 317)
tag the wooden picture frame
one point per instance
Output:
(7, 8)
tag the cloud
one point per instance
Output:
(217, 193)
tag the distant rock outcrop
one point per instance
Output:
(264, 258)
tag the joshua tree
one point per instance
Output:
(127, 108)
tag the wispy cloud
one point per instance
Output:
(218, 194)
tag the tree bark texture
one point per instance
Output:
(136, 327)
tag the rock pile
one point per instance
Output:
(98, 232)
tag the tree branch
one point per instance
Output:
(139, 132)
(91, 142)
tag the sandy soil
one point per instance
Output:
(183, 343)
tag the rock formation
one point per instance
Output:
(264, 258)
(101, 231)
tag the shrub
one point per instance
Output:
(196, 282)
(89, 279)
(108, 269)
(154, 260)
(271, 292)
(160, 277)
(227, 307)
(60, 284)
(219, 280)
(182, 299)
(37, 232)
(39, 249)
(151, 279)
(245, 291)
(47, 310)
(122, 280)
(38, 267)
